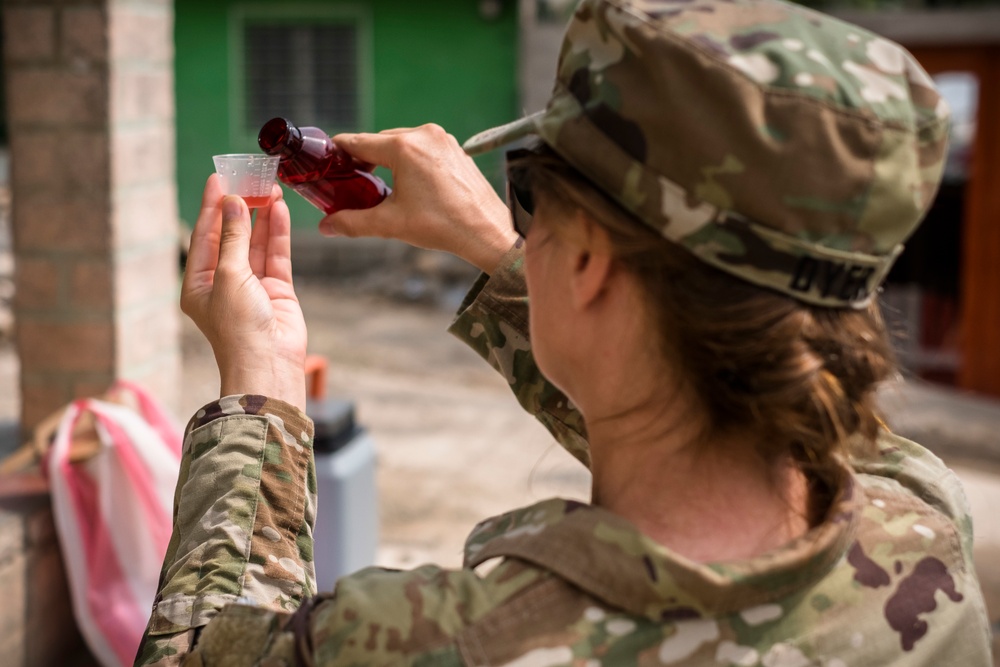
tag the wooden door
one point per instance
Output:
(980, 266)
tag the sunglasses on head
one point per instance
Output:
(519, 197)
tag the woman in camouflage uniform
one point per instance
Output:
(719, 188)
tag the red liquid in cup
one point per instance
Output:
(312, 165)
(256, 202)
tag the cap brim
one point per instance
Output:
(502, 135)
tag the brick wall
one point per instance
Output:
(90, 111)
(36, 622)
(89, 88)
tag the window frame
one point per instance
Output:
(245, 138)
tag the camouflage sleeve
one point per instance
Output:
(374, 617)
(493, 321)
(244, 510)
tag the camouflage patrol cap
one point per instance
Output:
(781, 145)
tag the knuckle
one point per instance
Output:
(233, 270)
(435, 131)
(226, 272)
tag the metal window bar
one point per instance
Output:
(306, 73)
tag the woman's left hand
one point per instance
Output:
(238, 290)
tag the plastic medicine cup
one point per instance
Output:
(249, 175)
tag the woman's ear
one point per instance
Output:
(593, 263)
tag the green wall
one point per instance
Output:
(432, 62)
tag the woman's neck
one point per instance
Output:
(707, 499)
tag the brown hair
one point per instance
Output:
(801, 377)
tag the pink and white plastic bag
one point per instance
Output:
(113, 514)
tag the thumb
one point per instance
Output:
(234, 246)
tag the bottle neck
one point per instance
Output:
(279, 137)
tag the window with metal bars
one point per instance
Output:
(306, 73)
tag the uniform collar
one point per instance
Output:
(609, 558)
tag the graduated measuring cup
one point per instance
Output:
(249, 175)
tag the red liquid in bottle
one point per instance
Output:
(312, 165)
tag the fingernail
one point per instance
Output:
(232, 207)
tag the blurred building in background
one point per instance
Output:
(943, 297)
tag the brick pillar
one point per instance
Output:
(91, 113)
(36, 619)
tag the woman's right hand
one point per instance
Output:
(440, 199)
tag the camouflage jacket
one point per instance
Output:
(886, 579)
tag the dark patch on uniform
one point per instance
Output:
(915, 596)
(898, 567)
(842, 517)
(579, 85)
(620, 130)
(821, 602)
(373, 630)
(213, 411)
(679, 614)
(650, 568)
(350, 615)
(202, 448)
(867, 572)
(253, 404)
(709, 44)
(574, 505)
(424, 631)
(753, 39)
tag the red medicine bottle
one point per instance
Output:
(312, 165)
